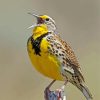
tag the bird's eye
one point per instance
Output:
(47, 19)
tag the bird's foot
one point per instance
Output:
(58, 94)
(55, 95)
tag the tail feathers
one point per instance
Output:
(86, 92)
(84, 89)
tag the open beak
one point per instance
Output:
(35, 15)
(32, 26)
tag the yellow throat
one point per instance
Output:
(39, 30)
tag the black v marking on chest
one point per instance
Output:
(36, 43)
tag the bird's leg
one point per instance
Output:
(62, 88)
(47, 91)
(48, 87)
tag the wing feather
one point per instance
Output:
(65, 55)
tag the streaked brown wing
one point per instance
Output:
(65, 54)
(70, 54)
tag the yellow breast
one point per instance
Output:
(46, 64)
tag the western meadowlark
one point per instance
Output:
(52, 56)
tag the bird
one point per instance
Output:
(52, 56)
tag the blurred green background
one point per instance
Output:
(78, 22)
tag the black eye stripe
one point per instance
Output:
(47, 19)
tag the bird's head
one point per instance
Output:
(44, 20)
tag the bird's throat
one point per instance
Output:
(39, 30)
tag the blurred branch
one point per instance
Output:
(54, 95)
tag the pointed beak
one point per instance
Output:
(32, 26)
(35, 15)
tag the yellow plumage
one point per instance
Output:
(46, 64)
(52, 56)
